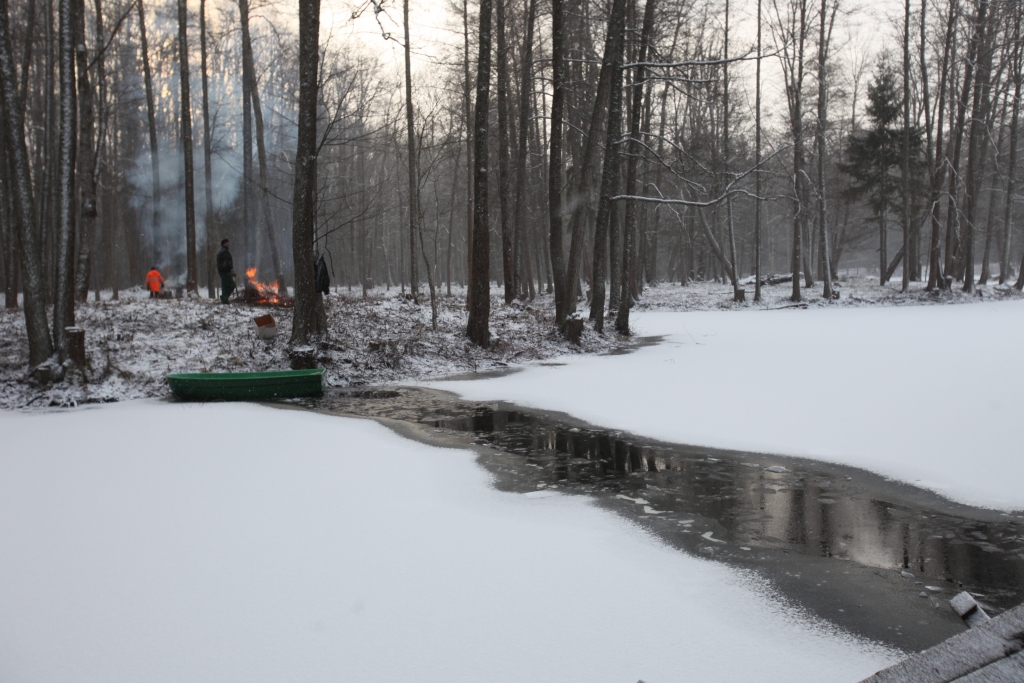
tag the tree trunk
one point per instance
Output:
(249, 73)
(730, 228)
(629, 227)
(39, 344)
(480, 277)
(86, 159)
(586, 189)
(525, 97)
(824, 40)
(504, 198)
(936, 168)
(309, 322)
(953, 212)
(795, 94)
(154, 150)
(101, 132)
(466, 104)
(905, 166)
(757, 160)
(64, 295)
(414, 191)
(191, 277)
(979, 113)
(1011, 166)
(211, 240)
(555, 152)
(986, 270)
(609, 178)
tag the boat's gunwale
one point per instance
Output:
(233, 377)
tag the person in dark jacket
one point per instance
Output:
(226, 268)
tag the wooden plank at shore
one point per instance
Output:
(1008, 670)
(964, 654)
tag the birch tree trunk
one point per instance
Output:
(64, 294)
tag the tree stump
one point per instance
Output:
(572, 330)
(302, 358)
(740, 295)
(76, 344)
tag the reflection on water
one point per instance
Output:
(765, 505)
(899, 553)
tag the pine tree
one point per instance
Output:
(875, 154)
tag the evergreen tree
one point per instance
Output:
(874, 157)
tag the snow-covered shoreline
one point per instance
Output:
(230, 542)
(921, 394)
(134, 342)
(384, 339)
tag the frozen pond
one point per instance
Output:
(877, 557)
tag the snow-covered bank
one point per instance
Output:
(133, 343)
(922, 394)
(157, 542)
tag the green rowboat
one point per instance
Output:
(246, 386)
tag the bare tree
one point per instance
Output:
(414, 194)
(249, 74)
(154, 148)
(64, 298)
(504, 198)
(1011, 164)
(86, 160)
(210, 255)
(525, 97)
(610, 173)
(191, 276)
(757, 159)
(824, 40)
(629, 224)
(39, 344)
(310, 320)
(480, 277)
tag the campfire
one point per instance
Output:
(262, 293)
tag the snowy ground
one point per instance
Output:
(854, 289)
(924, 394)
(134, 342)
(170, 542)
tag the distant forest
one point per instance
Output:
(576, 147)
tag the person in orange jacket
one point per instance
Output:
(154, 281)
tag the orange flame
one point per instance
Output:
(265, 293)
